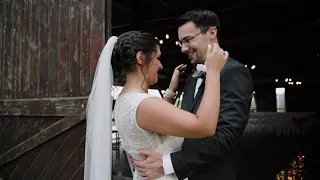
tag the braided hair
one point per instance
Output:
(124, 53)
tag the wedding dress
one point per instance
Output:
(98, 148)
(133, 138)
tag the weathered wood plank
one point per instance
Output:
(72, 163)
(17, 134)
(64, 31)
(108, 18)
(34, 48)
(3, 121)
(50, 47)
(7, 59)
(19, 52)
(64, 152)
(85, 48)
(17, 137)
(37, 123)
(46, 153)
(98, 33)
(26, 48)
(5, 172)
(11, 140)
(43, 51)
(53, 70)
(38, 139)
(19, 168)
(79, 174)
(26, 165)
(11, 170)
(8, 129)
(2, 10)
(14, 48)
(74, 71)
(44, 107)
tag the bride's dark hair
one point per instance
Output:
(124, 53)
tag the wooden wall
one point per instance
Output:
(41, 148)
(48, 54)
(49, 48)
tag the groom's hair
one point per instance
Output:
(203, 19)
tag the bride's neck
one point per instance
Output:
(135, 83)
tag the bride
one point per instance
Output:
(143, 120)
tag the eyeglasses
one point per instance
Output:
(189, 39)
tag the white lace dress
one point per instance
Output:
(133, 138)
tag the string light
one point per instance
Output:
(296, 170)
(289, 81)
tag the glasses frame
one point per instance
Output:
(187, 40)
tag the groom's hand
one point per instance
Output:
(151, 167)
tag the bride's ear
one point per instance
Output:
(139, 57)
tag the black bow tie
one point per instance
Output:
(203, 75)
(199, 74)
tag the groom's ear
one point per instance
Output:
(212, 32)
(139, 57)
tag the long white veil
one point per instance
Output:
(98, 148)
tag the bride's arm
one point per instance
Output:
(170, 93)
(169, 96)
(157, 115)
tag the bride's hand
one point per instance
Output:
(216, 57)
(176, 76)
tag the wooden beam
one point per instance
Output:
(40, 138)
(66, 106)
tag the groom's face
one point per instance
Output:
(194, 43)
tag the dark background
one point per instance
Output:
(280, 37)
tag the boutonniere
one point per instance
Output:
(200, 71)
(201, 67)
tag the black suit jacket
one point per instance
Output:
(215, 157)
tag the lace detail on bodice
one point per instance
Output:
(133, 138)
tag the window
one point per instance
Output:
(280, 98)
(253, 107)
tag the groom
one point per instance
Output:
(213, 157)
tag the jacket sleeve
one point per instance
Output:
(236, 93)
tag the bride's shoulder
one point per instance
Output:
(133, 97)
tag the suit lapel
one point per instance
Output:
(187, 101)
(199, 94)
